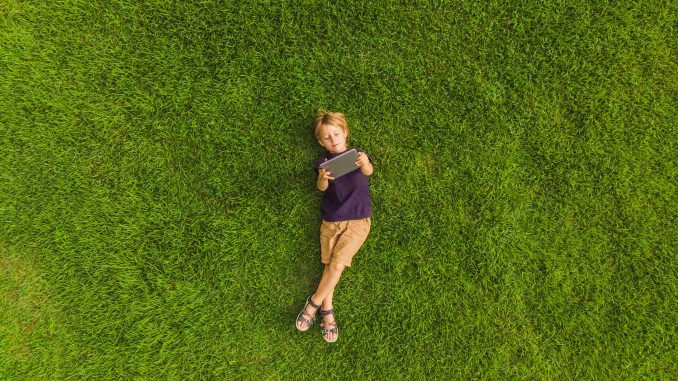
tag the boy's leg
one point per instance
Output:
(327, 302)
(326, 306)
(325, 291)
(344, 245)
(328, 282)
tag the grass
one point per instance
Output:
(160, 220)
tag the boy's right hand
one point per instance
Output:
(324, 174)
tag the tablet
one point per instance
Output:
(341, 164)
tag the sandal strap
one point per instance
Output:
(306, 314)
(310, 301)
(329, 328)
(306, 317)
(301, 317)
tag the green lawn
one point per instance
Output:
(159, 216)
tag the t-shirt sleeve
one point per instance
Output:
(316, 166)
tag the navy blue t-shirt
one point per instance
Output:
(348, 197)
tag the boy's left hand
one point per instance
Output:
(362, 159)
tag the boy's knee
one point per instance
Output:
(336, 267)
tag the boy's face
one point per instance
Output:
(332, 138)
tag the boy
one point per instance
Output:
(347, 212)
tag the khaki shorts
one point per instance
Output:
(340, 241)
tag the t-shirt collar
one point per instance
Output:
(332, 154)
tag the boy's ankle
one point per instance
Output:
(316, 303)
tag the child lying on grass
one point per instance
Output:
(347, 212)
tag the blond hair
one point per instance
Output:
(324, 118)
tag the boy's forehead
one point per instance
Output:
(329, 128)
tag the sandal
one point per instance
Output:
(328, 328)
(304, 317)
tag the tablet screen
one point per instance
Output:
(341, 164)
